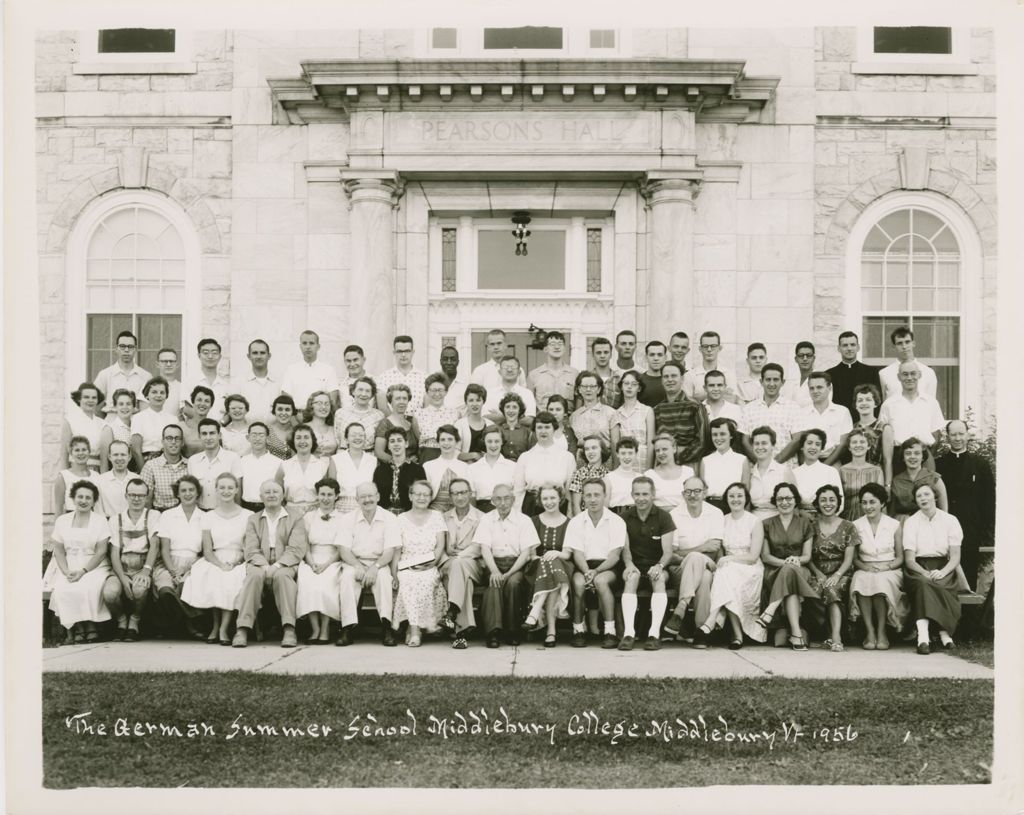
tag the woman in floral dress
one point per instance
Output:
(835, 542)
(550, 572)
(421, 597)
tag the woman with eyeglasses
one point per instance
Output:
(635, 420)
(421, 597)
(432, 416)
(593, 417)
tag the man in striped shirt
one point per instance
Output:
(683, 418)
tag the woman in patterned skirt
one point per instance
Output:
(835, 542)
(876, 590)
(550, 572)
(421, 597)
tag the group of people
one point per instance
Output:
(741, 496)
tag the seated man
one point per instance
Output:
(646, 556)
(507, 540)
(133, 552)
(367, 540)
(696, 546)
(461, 568)
(596, 538)
(275, 544)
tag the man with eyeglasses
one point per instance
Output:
(167, 364)
(681, 417)
(554, 375)
(403, 373)
(693, 381)
(161, 473)
(258, 466)
(912, 414)
(462, 570)
(511, 375)
(258, 386)
(124, 373)
(797, 388)
(209, 352)
(697, 545)
(488, 373)
(310, 374)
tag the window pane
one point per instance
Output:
(170, 243)
(871, 299)
(147, 270)
(945, 241)
(444, 38)
(149, 296)
(101, 242)
(949, 274)
(871, 273)
(593, 260)
(896, 274)
(947, 300)
(97, 271)
(136, 41)
(937, 337)
(896, 223)
(926, 224)
(101, 331)
(602, 38)
(947, 391)
(123, 298)
(924, 300)
(125, 247)
(173, 270)
(900, 247)
(876, 241)
(523, 37)
(913, 40)
(500, 268)
(122, 270)
(896, 299)
(923, 273)
(146, 247)
(448, 259)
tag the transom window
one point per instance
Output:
(136, 41)
(538, 41)
(916, 39)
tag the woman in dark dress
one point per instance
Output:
(395, 477)
(550, 572)
(515, 432)
(282, 427)
(905, 483)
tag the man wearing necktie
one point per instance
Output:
(275, 544)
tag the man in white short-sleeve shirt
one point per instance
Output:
(258, 465)
(258, 387)
(212, 461)
(488, 373)
(508, 382)
(823, 414)
(124, 373)
(308, 375)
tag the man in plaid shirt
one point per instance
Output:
(772, 410)
(164, 471)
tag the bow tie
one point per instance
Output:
(325, 517)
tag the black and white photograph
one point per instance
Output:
(456, 407)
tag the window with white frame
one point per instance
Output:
(134, 50)
(914, 50)
(524, 41)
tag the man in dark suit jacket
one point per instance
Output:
(850, 372)
(275, 544)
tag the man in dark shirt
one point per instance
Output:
(684, 419)
(394, 478)
(654, 390)
(646, 556)
(850, 372)
(971, 492)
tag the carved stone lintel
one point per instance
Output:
(914, 161)
(133, 166)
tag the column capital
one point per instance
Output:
(383, 186)
(664, 186)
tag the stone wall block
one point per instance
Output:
(941, 181)
(782, 181)
(839, 44)
(826, 82)
(983, 45)
(875, 82)
(846, 216)
(781, 253)
(212, 159)
(171, 83)
(106, 180)
(832, 176)
(210, 239)
(650, 42)
(911, 83)
(209, 46)
(399, 43)
(965, 196)
(371, 43)
(126, 82)
(284, 143)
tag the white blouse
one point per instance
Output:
(668, 494)
(184, 534)
(878, 546)
(721, 470)
(483, 476)
(931, 537)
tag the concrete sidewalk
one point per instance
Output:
(436, 658)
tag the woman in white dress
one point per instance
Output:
(877, 586)
(765, 473)
(180, 533)
(119, 427)
(723, 466)
(619, 482)
(320, 573)
(634, 419)
(235, 435)
(736, 590)
(421, 598)
(215, 581)
(813, 473)
(353, 466)
(82, 420)
(442, 470)
(668, 477)
(299, 474)
(149, 423)
(363, 410)
(78, 470)
(319, 415)
(78, 568)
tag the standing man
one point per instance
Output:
(601, 348)
(681, 417)
(693, 381)
(209, 352)
(211, 461)
(697, 546)
(625, 350)
(275, 544)
(456, 395)
(258, 386)
(511, 374)
(716, 405)
(748, 388)
(771, 410)
(553, 376)
(488, 373)
(971, 492)
(309, 374)
(507, 541)
(646, 556)
(654, 390)
(678, 348)
(823, 414)
(167, 363)
(355, 368)
(903, 341)
(124, 373)
(258, 466)
(403, 373)
(911, 414)
(461, 567)
(164, 471)
(850, 372)
(796, 389)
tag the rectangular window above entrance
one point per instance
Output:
(136, 41)
(499, 267)
(915, 39)
(523, 41)
(523, 38)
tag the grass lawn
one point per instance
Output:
(949, 724)
(979, 651)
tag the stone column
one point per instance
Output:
(373, 195)
(670, 200)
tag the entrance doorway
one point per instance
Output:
(518, 346)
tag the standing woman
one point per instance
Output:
(564, 438)
(866, 401)
(857, 473)
(79, 567)
(549, 573)
(635, 419)
(300, 474)
(421, 598)
(490, 470)
(440, 471)
(319, 575)
(319, 415)
(668, 477)
(786, 552)
(235, 435)
(398, 397)
(83, 420)
(432, 416)
(832, 550)
(723, 465)
(516, 435)
(813, 473)
(352, 466)
(736, 589)
(78, 454)
(931, 546)
(216, 579)
(765, 473)
(905, 484)
(149, 423)
(471, 426)
(119, 428)
(876, 590)
(281, 427)
(180, 533)
(363, 410)
(202, 402)
(593, 417)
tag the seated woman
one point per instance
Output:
(353, 466)
(723, 465)
(594, 454)
(856, 473)
(812, 472)
(832, 550)
(515, 432)
(739, 573)
(876, 591)
(119, 428)
(433, 416)
(78, 568)
(281, 427)
(78, 470)
(447, 466)
(765, 472)
(319, 574)
(180, 532)
(149, 423)
(202, 403)
(550, 572)
(235, 435)
(668, 477)
(398, 397)
(319, 415)
(786, 553)
(931, 548)
(83, 419)
(215, 581)
(421, 597)
(905, 483)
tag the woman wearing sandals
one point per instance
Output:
(319, 575)
(421, 598)
(550, 572)
(832, 550)
(79, 567)
(876, 591)
(786, 552)
(736, 590)
(180, 533)
(215, 581)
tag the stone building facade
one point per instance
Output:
(355, 182)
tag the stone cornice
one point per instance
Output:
(716, 90)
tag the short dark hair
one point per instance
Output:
(876, 490)
(283, 399)
(88, 485)
(451, 430)
(764, 430)
(902, 331)
(235, 397)
(309, 332)
(373, 386)
(517, 399)
(821, 375)
(600, 341)
(640, 384)
(308, 429)
(804, 344)
(327, 481)
(402, 338)
(350, 425)
(353, 349)
(821, 435)
(653, 343)
(167, 350)
(722, 421)
(673, 364)
(588, 375)
(868, 388)
(208, 422)
(122, 334)
(747, 500)
(627, 441)
(756, 346)
(156, 380)
(258, 424)
(594, 481)
(773, 366)
(557, 397)
(473, 389)
(134, 482)
(832, 488)
(171, 426)
(76, 394)
(187, 479)
(626, 332)
(543, 417)
(712, 373)
(791, 487)
(124, 392)
(681, 334)
(396, 431)
(846, 334)
(207, 341)
(264, 343)
(510, 358)
(554, 335)
(714, 334)
(198, 389)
